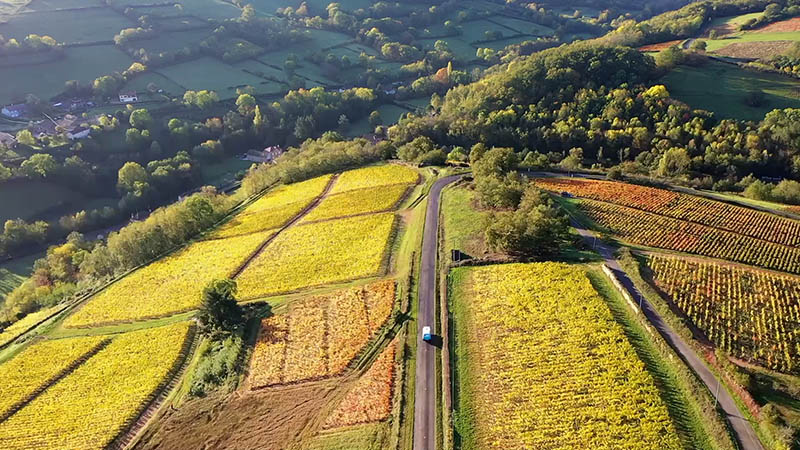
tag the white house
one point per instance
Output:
(128, 97)
(267, 155)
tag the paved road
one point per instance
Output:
(741, 427)
(425, 387)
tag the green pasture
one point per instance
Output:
(75, 26)
(721, 88)
(261, 69)
(748, 36)
(28, 200)
(46, 80)
(222, 172)
(474, 30)
(390, 114)
(180, 23)
(209, 73)
(139, 84)
(160, 11)
(458, 46)
(51, 5)
(503, 43)
(523, 26)
(172, 41)
(318, 6)
(358, 48)
(734, 21)
(26, 59)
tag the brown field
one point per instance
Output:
(754, 50)
(660, 46)
(788, 25)
(263, 420)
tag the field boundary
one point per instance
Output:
(16, 407)
(132, 431)
(285, 226)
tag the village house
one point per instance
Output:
(267, 155)
(15, 111)
(128, 97)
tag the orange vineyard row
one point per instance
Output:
(751, 314)
(653, 230)
(736, 219)
(370, 400)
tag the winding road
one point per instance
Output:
(742, 429)
(425, 386)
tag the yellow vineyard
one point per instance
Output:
(374, 176)
(91, 406)
(274, 209)
(170, 285)
(361, 201)
(41, 362)
(552, 369)
(319, 253)
(319, 336)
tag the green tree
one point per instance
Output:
(674, 162)
(131, 177)
(5, 173)
(25, 137)
(141, 119)
(219, 310)
(536, 229)
(39, 165)
(246, 104)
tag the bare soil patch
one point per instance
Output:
(755, 50)
(270, 419)
(659, 46)
(788, 25)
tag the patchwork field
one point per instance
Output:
(538, 338)
(750, 314)
(319, 336)
(91, 406)
(210, 73)
(170, 285)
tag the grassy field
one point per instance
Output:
(172, 41)
(89, 25)
(721, 88)
(731, 23)
(210, 73)
(49, 5)
(30, 199)
(14, 272)
(46, 80)
(750, 36)
(463, 224)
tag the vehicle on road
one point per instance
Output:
(426, 334)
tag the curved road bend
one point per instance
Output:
(742, 429)
(425, 386)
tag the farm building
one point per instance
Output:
(15, 111)
(128, 97)
(267, 155)
(79, 133)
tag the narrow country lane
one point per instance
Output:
(425, 387)
(742, 429)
